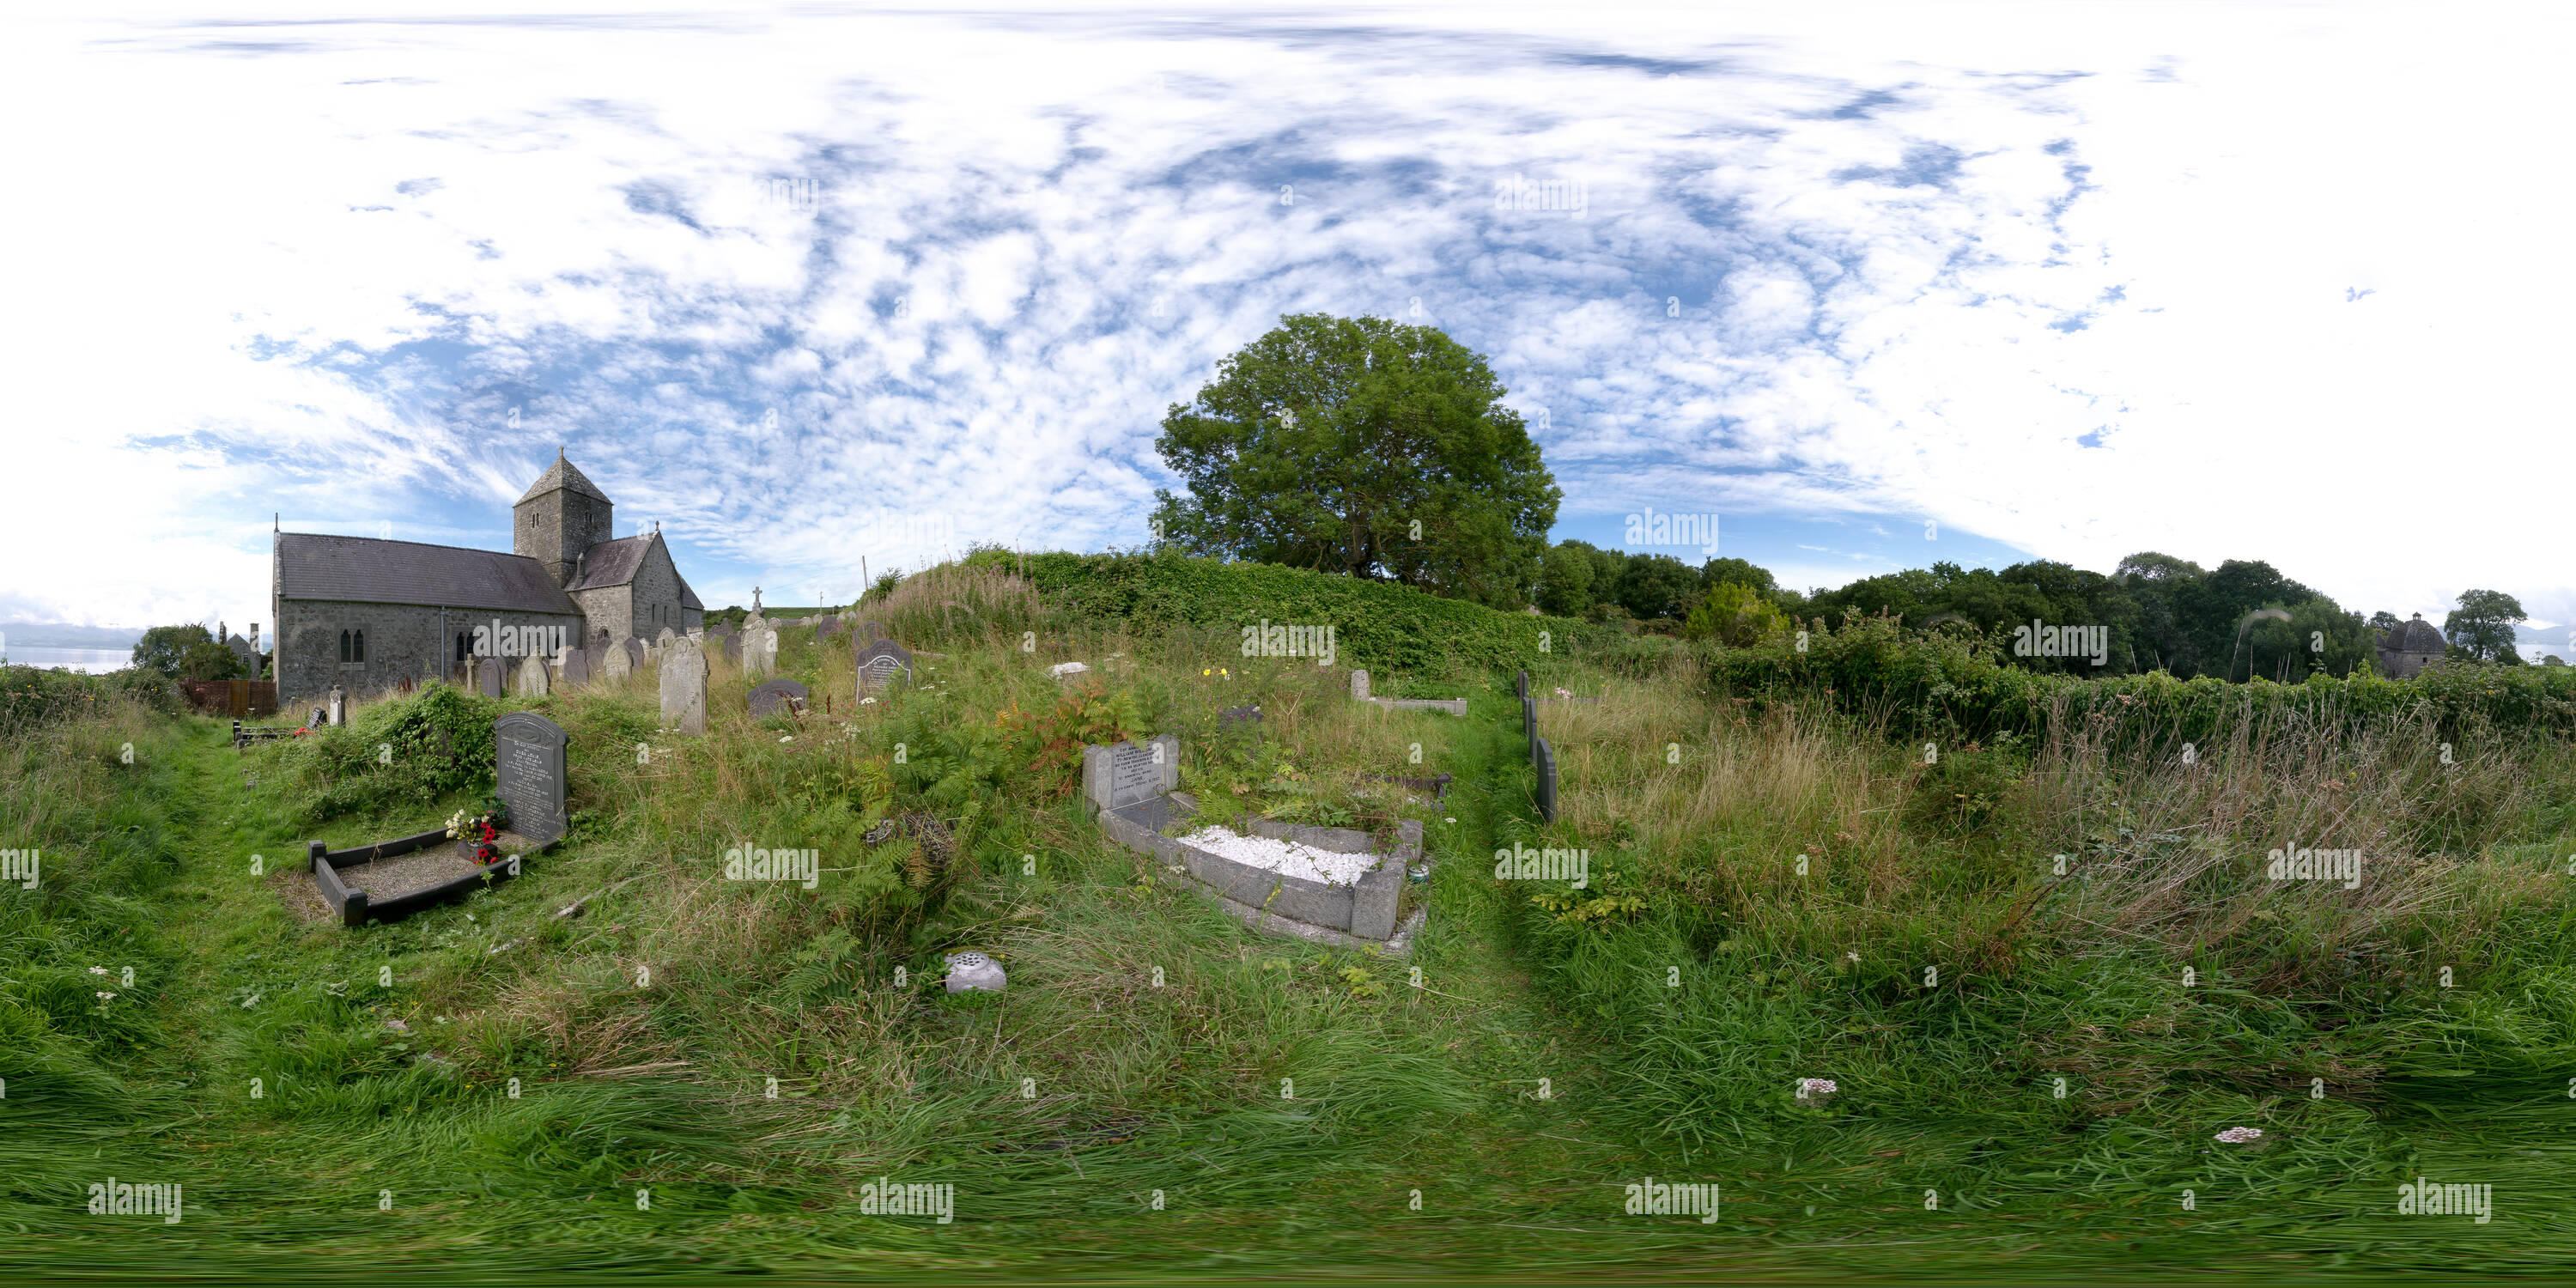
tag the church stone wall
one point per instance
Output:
(610, 609)
(657, 585)
(404, 641)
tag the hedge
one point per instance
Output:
(1377, 624)
(30, 696)
(1940, 686)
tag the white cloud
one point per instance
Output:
(1919, 252)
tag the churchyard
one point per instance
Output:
(915, 902)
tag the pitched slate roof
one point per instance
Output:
(561, 474)
(615, 563)
(369, 571)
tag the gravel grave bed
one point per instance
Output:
(1287, 858)
(386, 878)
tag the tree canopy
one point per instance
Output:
(1363, 446)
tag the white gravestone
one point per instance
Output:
(684, 687)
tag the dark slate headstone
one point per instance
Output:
(487, 677)
(721, 630)
(634, 655)
(733, 648)
(1546, 782)
(880, 662)
(831, 626)
(1524, 684)
(779, 693)
(869, 632)
(1529, 724)
(319, 716)
(576, 667)
(528, 765)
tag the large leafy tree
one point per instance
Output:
(186, 652)
(1565, 580)
(1362, 446)
(1654, 586)
(2481, 628)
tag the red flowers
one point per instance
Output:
(484, 854)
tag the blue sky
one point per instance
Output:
(814, 286)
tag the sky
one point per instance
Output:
(1875, 285)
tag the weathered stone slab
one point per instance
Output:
(487, 674)
(1359, 684)
(1129, 773)
(880, 662)
(528, 767)
(533, 681)
(576, 667)
(1546, 760)
(684, 687)
(760, 650)
(777, 694)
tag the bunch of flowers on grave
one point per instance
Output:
(479, 831)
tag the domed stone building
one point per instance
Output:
(2409, 647)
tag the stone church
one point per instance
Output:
(367, 614)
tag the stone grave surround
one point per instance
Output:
(1360, 692)
(780, 694)
(528, 772)
(684, 687)
(1134, 800)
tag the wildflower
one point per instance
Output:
(867, 702)
(1563, 694)
(1855, 958)
(2241, 1135)
(106, 997)
(1449, 820)
(789, 738)
(1817, 1087)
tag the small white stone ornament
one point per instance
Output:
(975, 971)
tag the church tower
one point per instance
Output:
(562, 515)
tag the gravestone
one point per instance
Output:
(759, 651)
(614, 664)
(576, 667)
(831, 626)
(1524, 684)
(780, 693)
(663, 640)
(1132, 780)
(1529, 724)
(528, 766)
(1068, 671)
(634, 653)
(869, 632)
(320, 719)
(733, 648)
(879, 662)
(532, 678)
(339, 705)
(684, 687)
(1546, 759)
(1360, 685)
(487, 677)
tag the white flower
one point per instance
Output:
(867, 702)
(1817, 1087)
(2241, 1135)
(1452, 820)
(789, 738)
(1855, 957)
(1563, 694)
(106, 996)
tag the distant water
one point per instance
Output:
(92, 660)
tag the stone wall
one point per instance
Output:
(657, 586)
(555, 528)
(404, 641)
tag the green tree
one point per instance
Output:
(1565, 579)
(1362, 446)
(1733, 615)
(188, 652)
(2384, 620)
(1738, 572)
(2481, 628)
(1654, 586)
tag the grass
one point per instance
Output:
(1288, 1102)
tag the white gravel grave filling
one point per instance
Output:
(1287, 858)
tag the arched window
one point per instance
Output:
(461, 642)
(357, 646)
(344, 646)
